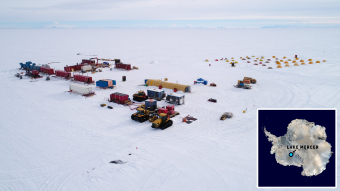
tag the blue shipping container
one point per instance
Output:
(104, 84)
(150, 104)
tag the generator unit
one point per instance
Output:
(175, 99)
(156, 94)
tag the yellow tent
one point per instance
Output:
(303, 63)
(317, 61)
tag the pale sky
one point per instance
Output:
(312, 11)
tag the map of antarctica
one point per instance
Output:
(304, 145)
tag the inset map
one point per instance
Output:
(305, 144)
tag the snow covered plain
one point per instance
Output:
(53, 140)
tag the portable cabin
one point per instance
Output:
(82, 89)
(156, 94)
(81, 78)
(175, 99)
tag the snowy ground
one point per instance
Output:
(53, 140)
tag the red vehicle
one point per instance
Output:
(119, 98)
(63, 74)
(81, 78)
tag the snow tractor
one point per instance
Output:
(141, 115)
(213, 85)
(162, 122)
(140, 96)
(240, 84)
(226, 115)
(33, 74)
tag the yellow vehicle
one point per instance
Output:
(153, 117)
(141, 115)
(162, 122)
(140, 96)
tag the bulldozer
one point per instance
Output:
(162, 122)
(226, 115)
(141, 115)
(252, 80)
(240, 84)
(140, 96)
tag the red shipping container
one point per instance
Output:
(171, 109)
(81, 78)
(75, 68)
(114, 96)
(49, 71)
(42, 69)
(123, 66)
(67, 69)
(123, 97)
(63, 74)
(163, 110)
